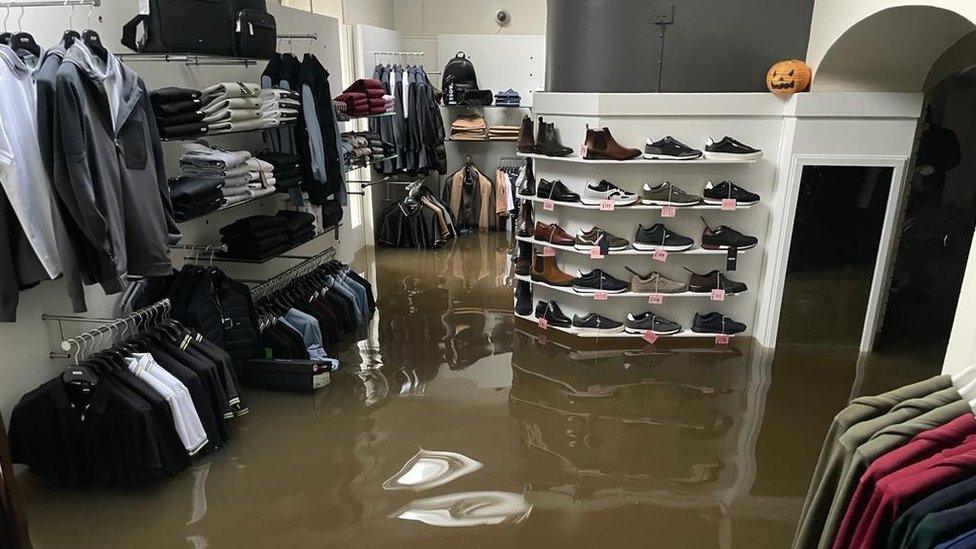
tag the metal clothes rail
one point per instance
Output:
(158, 311)
(283, 278)
(48, 3)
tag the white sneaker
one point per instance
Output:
(595, 193)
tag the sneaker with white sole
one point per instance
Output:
(716, 193)
(730, 149)
(667, 194)
(640, 323)
(594, 324)
(669, 148)
(659, 237)
(595, 193)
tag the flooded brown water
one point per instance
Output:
(528, 443)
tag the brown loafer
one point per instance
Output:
(553, 234)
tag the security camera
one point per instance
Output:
(502, 17)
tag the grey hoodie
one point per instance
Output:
(108, 170)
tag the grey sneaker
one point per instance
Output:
(667, 194)
(588, 239)
(654, 283)
(640, 323)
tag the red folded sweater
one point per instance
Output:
(373, 93)
(346, 97)
(377, 104)
(364, 84)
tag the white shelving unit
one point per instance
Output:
(636, 161)
(623, 335)
(634, 207)
(629, 251)
(641, 295)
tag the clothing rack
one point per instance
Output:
(189, 59)
(48, 3)
(394, 54)
(285, 277)
(299, 36)
(156, 312)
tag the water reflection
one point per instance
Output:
(467, 509)
(430, 469)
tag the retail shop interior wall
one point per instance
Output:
(24, 363)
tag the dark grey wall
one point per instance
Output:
(711, 46)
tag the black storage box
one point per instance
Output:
(297, 376)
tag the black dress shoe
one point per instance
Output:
(523, 298)
(547, 142)
(528, 187)
(556, 191)
(553, 314)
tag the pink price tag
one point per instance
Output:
(543, 324)
(660, 255)
(548, 205)
(543, 339)
(718, 295)
(722, 339)
(669, 211)
(650, 337)
(595, 253)
(606, 205)
(548, 252)
(600, 295)
(655, 299)
(728, 204)
(583, 150)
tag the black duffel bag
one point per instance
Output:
(211, 27)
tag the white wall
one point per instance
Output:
(24, 362)
(417, 18)
(350, 12)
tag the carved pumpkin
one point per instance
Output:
(788, 77)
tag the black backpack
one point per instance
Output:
(458, 77)
(213, 27)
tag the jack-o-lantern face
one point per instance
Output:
(788, 77)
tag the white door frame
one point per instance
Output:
(881, 267)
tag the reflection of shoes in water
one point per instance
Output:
(701, 473)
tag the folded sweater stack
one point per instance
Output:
(340, 108)
(194, 196)
(364, 148)
(286, 170)
(242, 106)
(469, 128)
(364, 97)
(503, 133)
(260, 237)
(178, 112)
(508, 98)
(243, 177)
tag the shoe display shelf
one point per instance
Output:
(635, 161)
(629, 251)
(621, 335)
(754, 119)
(631, 207)
(628, 294)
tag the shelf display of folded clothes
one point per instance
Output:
(232, 107)
(503, 133)
(286, 170)
(179, 112)
(508, 98)
(364, 148)
(469, 128)
(195, 195)
(365, 97)
(242, 177)
(261, 237)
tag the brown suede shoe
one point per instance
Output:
(526, 138)
(545, 269)
(523, 264)
(600, 145)
(553, 234)
(523, 226)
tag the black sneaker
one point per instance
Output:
(714, 194)
(715, 280)
(659, 237)
(640, 323)
(715, 324)
(523, 298)
(730, 149)
(551, 312)
(556, 191)
(596, 324)
(669, 148)
(725, 238)
(597, 280)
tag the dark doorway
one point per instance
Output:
(937, 227)
(836, 233)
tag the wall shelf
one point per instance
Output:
(631, 251)
(635, 207)
(637, 161)
(218, 134)
(685, 333)
(632, 295)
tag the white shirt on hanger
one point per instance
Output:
(185, 417)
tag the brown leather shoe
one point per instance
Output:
(526, 139)
(545, 269)
(524, 226)
(523, 264)
(600, 145)
(553, 234)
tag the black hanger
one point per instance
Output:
(94, 43)
(69, 38)
(24, 41)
